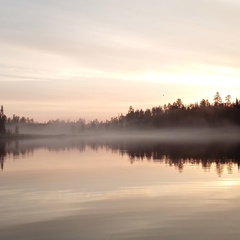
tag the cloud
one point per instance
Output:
(125, 34)
(115, 53)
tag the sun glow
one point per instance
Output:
(229, 183)
(222, 77)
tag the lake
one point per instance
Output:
(73, 189)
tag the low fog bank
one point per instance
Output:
(227, 133)
(177, 135)
(172, 138)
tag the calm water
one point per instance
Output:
(74, 190)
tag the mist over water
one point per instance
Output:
(174, 148)
(121, 185)
(167, 167)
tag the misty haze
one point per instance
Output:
(165, 172)
(119, 120)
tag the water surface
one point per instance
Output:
(119, 190)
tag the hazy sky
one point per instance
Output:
(94, 58)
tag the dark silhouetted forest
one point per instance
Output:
(220, 113)
(2, 121)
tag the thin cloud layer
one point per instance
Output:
(54, 47)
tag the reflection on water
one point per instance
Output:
(74, 189)
(2, 153)
(207, 155)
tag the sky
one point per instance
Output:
(93, 59)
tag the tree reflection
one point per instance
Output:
(218, 156)
(222, 156)
(2, 154)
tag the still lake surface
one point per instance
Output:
(69, 189)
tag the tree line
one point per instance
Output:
(203, 114)
(171, 115)
(2, 121)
